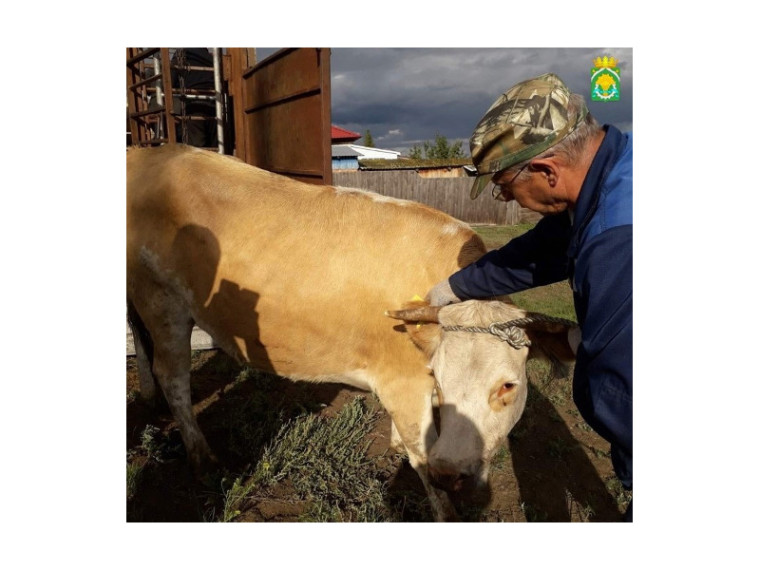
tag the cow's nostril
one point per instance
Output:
(459, 482)
(452, 482)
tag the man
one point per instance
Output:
(539, 145)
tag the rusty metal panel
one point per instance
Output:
(287, 114)
(149, 124)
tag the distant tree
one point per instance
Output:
(415, 152)
(368, 139)
(440, 148)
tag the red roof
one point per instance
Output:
(342, 135)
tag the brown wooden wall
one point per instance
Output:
(450, 195)
(287, 114)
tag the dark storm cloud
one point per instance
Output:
(419, 120)
(404, 96)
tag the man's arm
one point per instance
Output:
(538, 257)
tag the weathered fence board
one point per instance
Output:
(450, 195)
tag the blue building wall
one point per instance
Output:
(345, 163)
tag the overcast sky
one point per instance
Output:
(404, 96)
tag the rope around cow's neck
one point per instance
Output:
(510, 331)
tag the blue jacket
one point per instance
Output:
(595, 252)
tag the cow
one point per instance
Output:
(318, 283)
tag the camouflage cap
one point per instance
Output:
(522, 123)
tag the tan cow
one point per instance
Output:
(296, 279)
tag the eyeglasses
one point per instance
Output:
(498, 192)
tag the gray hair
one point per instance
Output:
(573, 145)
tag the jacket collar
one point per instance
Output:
(606, 156)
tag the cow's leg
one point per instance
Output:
(145, 372)
(397, 443)
(170, 327)
(143, 355)
(443, 509)
(408, 403)
(171, 365)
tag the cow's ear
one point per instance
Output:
(421, 322)
(549, 341)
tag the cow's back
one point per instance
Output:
(290, 276)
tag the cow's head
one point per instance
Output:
(480, 376)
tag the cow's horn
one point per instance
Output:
(426, 314)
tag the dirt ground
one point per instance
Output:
(552, 468)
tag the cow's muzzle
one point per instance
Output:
(452, 480)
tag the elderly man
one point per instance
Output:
(539, 145)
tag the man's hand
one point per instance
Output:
(441, 294)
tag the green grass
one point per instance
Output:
(496, 236)
(134, 474)
(623, 497)
(235, 497)
(325, 462)
(533, 514)
(401, 163)
(501, 458)
(585, 513)
(559, 447)
(555, 299)
(152, 442)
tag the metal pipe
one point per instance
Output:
(159, 84)
(159, 94)
(199, 97)
(218, 89)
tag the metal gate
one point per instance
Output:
(287, 114)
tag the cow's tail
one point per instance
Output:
(143, 351)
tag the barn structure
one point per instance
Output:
(274, 114)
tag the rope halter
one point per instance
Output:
(511, 331)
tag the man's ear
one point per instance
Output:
(421, 322)
(547, 167)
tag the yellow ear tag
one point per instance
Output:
(418, 298)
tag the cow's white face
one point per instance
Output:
(481, 382)
(484, 388)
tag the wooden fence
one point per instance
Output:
(450, 195)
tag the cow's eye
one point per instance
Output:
(505, 389)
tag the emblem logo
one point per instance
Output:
(605, 79)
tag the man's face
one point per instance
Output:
(534, 186)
